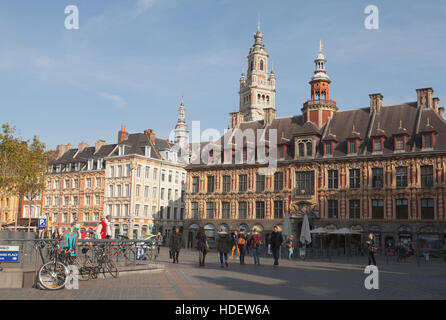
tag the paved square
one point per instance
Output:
(296, 279)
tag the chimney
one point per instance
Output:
(435, 104)
(98, 145)
(235, 119)
(82, 146)
(150, 134)
(61, 149)
(441, 111)
(270, 115)
(376, 102)
(424, 97)
(122, 135)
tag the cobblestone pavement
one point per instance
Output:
(297, 279)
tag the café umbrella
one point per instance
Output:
(344, 231)
(286, 228)
(305, 235)
(319, 231)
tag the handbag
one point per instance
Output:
(207, 248)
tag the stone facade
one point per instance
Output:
(377, 169)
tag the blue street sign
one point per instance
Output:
(42, 223)
(9, 253)
(141, 253)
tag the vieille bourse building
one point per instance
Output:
(378, 169)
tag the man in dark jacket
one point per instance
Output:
(175, 243)
(276, 240)
(224, 245)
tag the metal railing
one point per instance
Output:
(123, 252)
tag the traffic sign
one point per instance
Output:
(42, 223)
(9, 253)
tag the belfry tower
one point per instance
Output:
(320, 107)
(181, 130)
(258, 88)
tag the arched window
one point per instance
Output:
(252, 64)
(261, 65)
(301, 150)
(309, 149)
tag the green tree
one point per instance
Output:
(10, 149)
(30, 180)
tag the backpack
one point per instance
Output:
(241, 241)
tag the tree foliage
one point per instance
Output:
(22, 165)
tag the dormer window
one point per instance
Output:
(400, 142)
(353, 146)
(121, 150)
(148, 151)
(428, 140)
(77, 166)
(301, 149)
(281, 151)
(68, 167)
(309, 149)
(377, 144)
(59, 168)
(328, 148)
(100, 164)
(90, 164)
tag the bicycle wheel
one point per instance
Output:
(111, 268)
(149, 253)
(129, 255)
(53, 275)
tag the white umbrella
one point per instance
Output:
(286, 228)
(344, 231)
(305, 236)
(318, 231)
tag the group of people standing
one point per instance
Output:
(228, 243)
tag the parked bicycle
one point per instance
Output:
(99, 262)
(53, 274)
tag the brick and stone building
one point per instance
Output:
(379, 168)
(139, 181)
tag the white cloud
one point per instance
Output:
(118, 101)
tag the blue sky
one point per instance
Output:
(131, 61)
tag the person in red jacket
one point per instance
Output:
(104, 230)
(256, 239)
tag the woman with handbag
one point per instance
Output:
(256, 238)
(202, 246)
(371, 246)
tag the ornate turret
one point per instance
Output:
(181, 130)
(320, 107)
(258, 90)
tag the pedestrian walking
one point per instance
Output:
(248, 243)
(234, 237)
(56, 234)
(276, 242)
(103, 230)
(290, 246)
(70, 237)
(256, 240)
(371, 248)
(242, 246)
(224, 245)
(202, 246)
(159, 241)
(175, 242)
